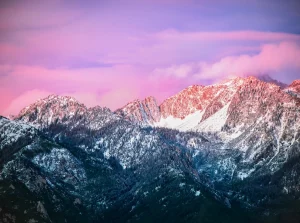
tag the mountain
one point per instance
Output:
(69, 171)
(255, 122)
(37, 177)
(194, 108)
(143, 112)
(295, 86)
(64, 109)
(294, 89)
(194, 104)
(231, 148)
(185, 109)
(268, 79)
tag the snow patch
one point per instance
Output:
(197, 193)
(215, 122)
(185, 124)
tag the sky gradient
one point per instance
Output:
(108, 53)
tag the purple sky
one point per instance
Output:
(108, 53)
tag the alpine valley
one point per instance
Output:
(228, 152)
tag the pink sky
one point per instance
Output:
(107, 53)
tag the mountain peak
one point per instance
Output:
(142, 111)
(52, 99)
(60, 97)
(51, 109)
(197, 103)
(295, 84)
(294, 88)
(268, 79)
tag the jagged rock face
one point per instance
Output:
(255, 117)
(208, 99)
(294, 86)
(261, 121)
(53, 109)
(256, 99)
(195, 99)
(268, 79)
(144, 112)
(195, 103)
(67, 111)
(186, 102)
(223, 96)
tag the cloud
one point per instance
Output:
(282, 61)
(104, 44)
(115, 86)
(180, 71)
(112, 87)
(275, 59)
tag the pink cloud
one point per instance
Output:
(55, 47)
(115, 86)
(112, 87)
(109, 44)
(272, 59)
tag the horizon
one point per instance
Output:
(109, 53)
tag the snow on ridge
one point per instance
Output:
(185, 124)
(215, 122)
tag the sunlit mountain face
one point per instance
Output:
(149, 111)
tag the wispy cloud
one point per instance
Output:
(282, 61)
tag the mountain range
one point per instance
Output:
(228, 152)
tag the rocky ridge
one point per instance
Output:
(238, 147)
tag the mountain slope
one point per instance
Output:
(237, 147)
(257, 118)
(295, 86)
(143, 112)
(193, 105)
(128, 169)
(36, 177)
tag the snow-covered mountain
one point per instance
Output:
(58, 110)
(197, 108)
(221, 147)
(196, 103)
(89, 171)
(245, 114)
